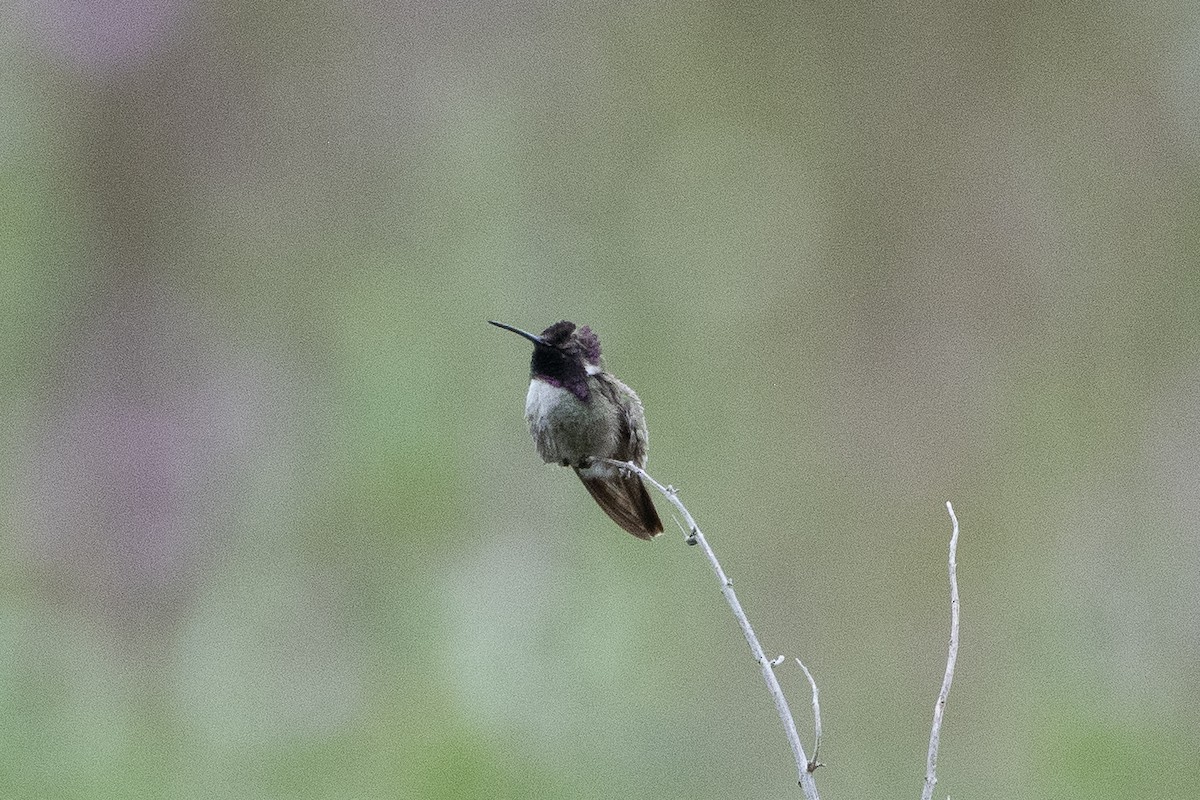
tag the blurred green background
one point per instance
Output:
(274, 526)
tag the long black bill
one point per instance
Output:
(531, 337)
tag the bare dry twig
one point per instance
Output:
(804, 766)
(816, 703)
(940, 707)
(694, 536)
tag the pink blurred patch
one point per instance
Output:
(106, 34)
(145, 456)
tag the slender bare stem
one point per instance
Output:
(940, 708)
(816, 703)
(694, 536)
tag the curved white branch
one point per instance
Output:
(694, 536)
(940, 707)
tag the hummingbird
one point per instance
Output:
(578, 412)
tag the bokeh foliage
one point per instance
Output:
(275, 528)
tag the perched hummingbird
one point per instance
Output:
(576, 412)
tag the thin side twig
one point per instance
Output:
(940, 708)
(816, 703)
(694, 536)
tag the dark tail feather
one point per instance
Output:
(624, 498)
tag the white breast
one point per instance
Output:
(541, 398)
(543, 408)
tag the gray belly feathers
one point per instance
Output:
(564, 428)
